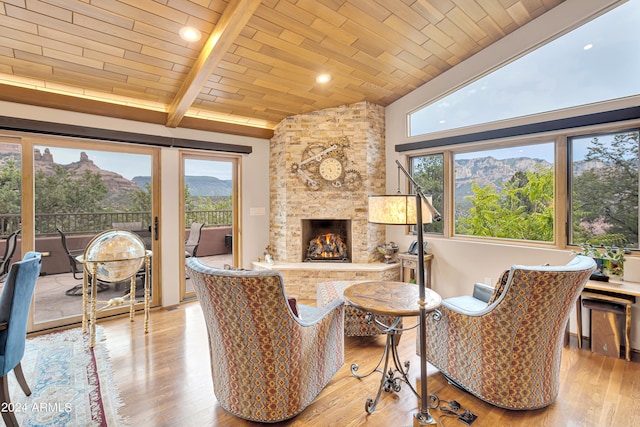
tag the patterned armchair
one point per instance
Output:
(355, 320)
(507, 352)
(267, 362)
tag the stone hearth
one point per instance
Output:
(301, 278)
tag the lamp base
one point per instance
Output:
(423, 419)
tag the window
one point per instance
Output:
(505, 193)
(509, 193)
(590, 64)
(428, 172)
(604, 189)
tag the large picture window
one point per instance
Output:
(590, 64)
(604, 189)
(506, 193)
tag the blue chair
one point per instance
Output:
(15, 302)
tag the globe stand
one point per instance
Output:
(90, 301)
(113, 256)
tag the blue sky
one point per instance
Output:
(132, 165)
(598, 61)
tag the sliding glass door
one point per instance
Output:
(210, 204)
(80, 189)
(10, 204)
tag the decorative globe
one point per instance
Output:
(115, 255)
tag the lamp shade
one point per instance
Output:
(397, 209)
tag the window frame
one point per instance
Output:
(562, 171)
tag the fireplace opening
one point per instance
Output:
(326, 240)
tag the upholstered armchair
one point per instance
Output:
(269, 358)
(355, 320)
(507, 351)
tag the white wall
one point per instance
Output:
(458, 263)
(254, 178)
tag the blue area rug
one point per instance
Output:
(71, 384)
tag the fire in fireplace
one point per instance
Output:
(327, 247)
(326, 240)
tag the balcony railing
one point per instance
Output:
(78, 223)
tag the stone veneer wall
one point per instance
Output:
(291, 200)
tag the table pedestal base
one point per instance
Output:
(392, 376)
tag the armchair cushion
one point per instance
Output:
(466, 303)
(293, 304)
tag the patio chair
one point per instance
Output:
(192, 243)
(76, 267)
(9, 250)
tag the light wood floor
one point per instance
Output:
(164, 380)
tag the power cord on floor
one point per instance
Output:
(451, 409)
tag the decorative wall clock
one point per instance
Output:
(326, 165)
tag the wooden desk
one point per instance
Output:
(619, 292)
(410, 263)
(397, 299)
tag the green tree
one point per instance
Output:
(140, 199)
(62, 192)
(605, 197)
(428, 172)
(10, 188)
(218, 204)
(189, 202)
(522, 209)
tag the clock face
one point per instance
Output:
(330, 169)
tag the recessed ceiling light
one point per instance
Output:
(323, 78)
(190, 34)
(587, 46)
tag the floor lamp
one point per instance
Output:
(411, 209)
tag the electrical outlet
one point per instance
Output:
(487, 281)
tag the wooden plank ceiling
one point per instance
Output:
(255, 64)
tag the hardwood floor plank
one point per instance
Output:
(165, 380)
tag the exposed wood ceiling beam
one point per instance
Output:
(233, 20)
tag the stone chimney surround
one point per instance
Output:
(324, 165)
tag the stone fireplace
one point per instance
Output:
(357, 131)
(324, 164)
(326, 240)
